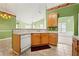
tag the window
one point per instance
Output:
(62, 27)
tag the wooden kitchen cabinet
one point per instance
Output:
(53, 38)
(44, 38)
(35, 39)
(39, 39)
(20, 43)
(75, 47)
(16, 44)
(53, 20)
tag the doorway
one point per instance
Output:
(65, 30)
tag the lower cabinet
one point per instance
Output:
(16, 44)
(35, 39)
(53, 38)
(75, 47)
(38, 39)
(44, 38)
(20, 43)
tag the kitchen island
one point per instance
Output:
(22, 39)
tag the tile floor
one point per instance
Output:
(59, 50)
(64, 48)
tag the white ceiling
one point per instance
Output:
(30, 12)
(8, 7)
(27, 12)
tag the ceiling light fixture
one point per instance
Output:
(5, 15)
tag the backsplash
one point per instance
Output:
(52, 28)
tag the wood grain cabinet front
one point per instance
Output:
(39, 39)
(52, 20)
(16, 44)
(35, 39)
(20, 43)
(75, 47)
(53, 38)
(44, 38)
(78, 47)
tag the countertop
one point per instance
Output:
(77, 37)
(29, 31)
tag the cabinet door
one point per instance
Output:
(52, 20)
(35, 39)
(74, 47)
(49, 21)
(78, 47)
(16, 43)
(53, 38)
(44, 38)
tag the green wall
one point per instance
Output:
(78, 24)
(69, 11)
(6, 26)
(5, 34)
(8, 23)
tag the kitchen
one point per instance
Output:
(34, 27)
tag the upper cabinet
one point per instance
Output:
(53, 20)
